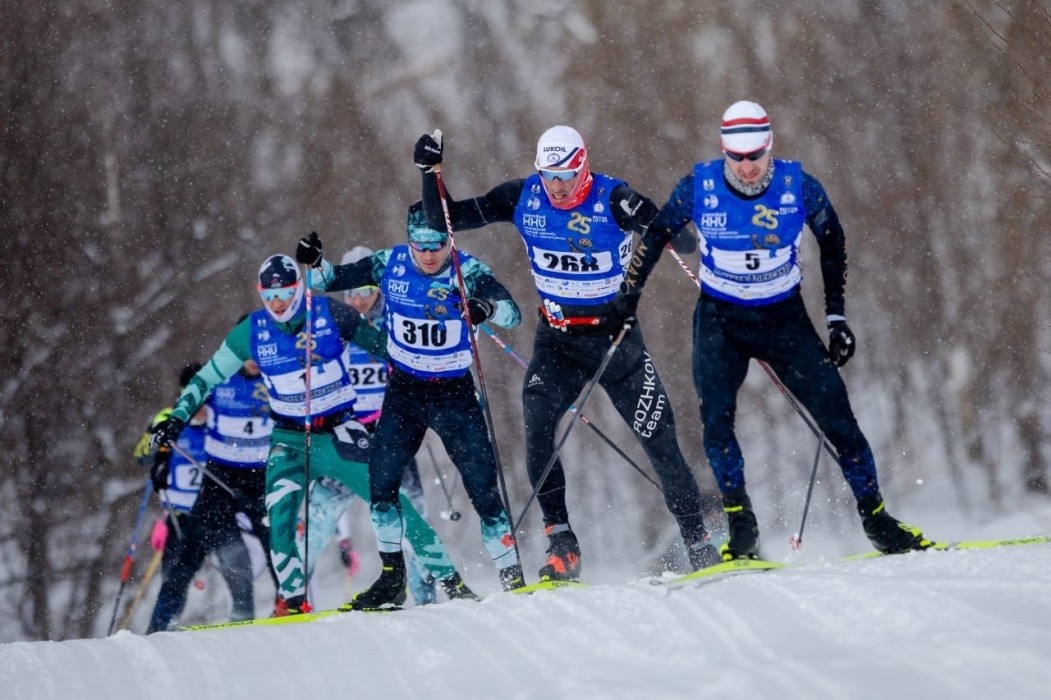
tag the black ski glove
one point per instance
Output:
(428, 152)
(640, 208)
(623, 309)
(308, 250)
(480, 310)
(159, 472)
(684, 242)
(841, 343)
(165, 432)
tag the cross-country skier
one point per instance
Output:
(178, 478)
(369, 376)
(430, 385)
(236, 444)
(750, 210)
(577, 228)
(276, 337)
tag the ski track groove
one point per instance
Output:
(673, 660)
(769, 669)
(494, 626)
(822, 598)
(299, 648)
(827, 604)
(382, 639)
(507, 615)
(824, 609)
(479, 613)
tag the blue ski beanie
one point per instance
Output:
(419, 231)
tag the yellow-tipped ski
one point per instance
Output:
(549, 585)
(964, 544)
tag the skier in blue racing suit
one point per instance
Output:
(750, 210)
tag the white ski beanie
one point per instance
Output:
(560, 147)
(746, 128)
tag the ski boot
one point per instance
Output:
(511, 577)
(388, 591)
(456, 589)
(744, 530)
(563, 561)
(701, 552)
(296, 605)
(887, 534)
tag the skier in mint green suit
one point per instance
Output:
(275, 337)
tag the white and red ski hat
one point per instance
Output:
(561, 147)
(746, 128)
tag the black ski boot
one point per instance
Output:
(744, 530)
(455, 588)
(701, 552)
(511, 577)
(388, 592)
(888, 535)
(563, 561)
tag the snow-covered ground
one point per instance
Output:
(960, 624)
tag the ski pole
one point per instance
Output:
(796, 540)
(141, 590)
(572, 408)
(235, 494)
(453, 513)
(569, 428)
(769, 372)
(166, 504)
(474, 347)
(208, 473)
(133, 543)
(308, 329)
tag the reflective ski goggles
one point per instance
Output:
(360, 292)
(753, 156)
(560, 175)
(282, 293)
(433, 247)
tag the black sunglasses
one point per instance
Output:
(754, 155)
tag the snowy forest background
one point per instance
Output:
(153, 154)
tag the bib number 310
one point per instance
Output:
(424, 334)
